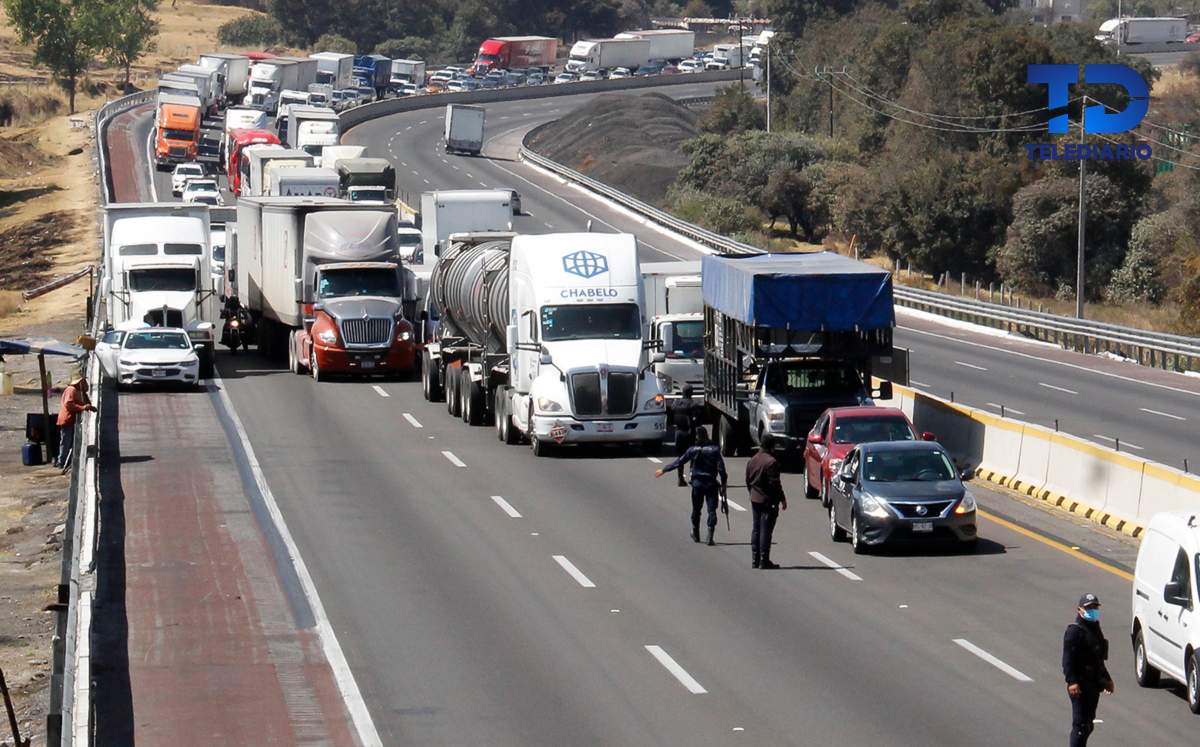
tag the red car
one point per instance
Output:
(840, 429)
(1193, 37)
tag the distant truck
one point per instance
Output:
(181, 84)
(235, 74)
(322, 281)
(239, 141)
(374, 71)
(1143, 31)
(447, 212)
(334, 69)
(264, 161)
(311, 128)
(407, 71)
(177, 130)
(239, 119)
(320, 94)
(515, 52)
(331, 154)
(158, 271)
(606, 54)
(464, 129)
(304, 182)
(675, 314)
(788, 336)
(210, 81)
(367, 180)
(726, 56)
(271, 77)
(671, 45)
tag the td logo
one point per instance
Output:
(1097, 119)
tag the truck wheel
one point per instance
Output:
(541, 448)
(499, 417)
(474, 407)
(431, 376)
(294, 364)
(453, 404)
(314, 368)
(727, 436)
(463, 387)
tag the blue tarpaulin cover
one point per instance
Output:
(820, 291)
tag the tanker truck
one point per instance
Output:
(544, 336)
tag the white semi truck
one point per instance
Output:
(157, 259)
(1143, 31)
(304, 182)
(270, 77)
(263, 160)
(675, 315)
(234, 72)
(671, 45)
(464, 129)
(334, 68)
(544, 336)
(606, 54)
(446, 212)
(311, 128)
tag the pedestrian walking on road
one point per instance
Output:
(766, 500)
(708, 479)
(687, 415)
(1084, 652)
(75, 401)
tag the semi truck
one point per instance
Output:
(178, 84)
(331, 154)
(727, 56)
(176, 130)
(239, 140)
(407, 71)
(311, 128)
(446, 212)
(212, 80)
(334, 68)
(543, 336)
(515, 52)
(322, 281)
(1143, 31)
(304, 182)
(158, 271)
(320, 94)
(671, 45)
(606, 54)
(675, 315)
(374, 71)
(366, 180)
(262, 161)
(234, 73)
(788, 336)
(239, 119)
(270, 77)
(464, 129)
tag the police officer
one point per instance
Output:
(1084, 651)
(687, 415)
(708, 477)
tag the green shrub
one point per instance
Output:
(250, 31)
(334, 43)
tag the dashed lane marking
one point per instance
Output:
(1008, 669)
(506, 507)
(413, 421)
(1133, 446)
(573, 572)
(453, 459)
(969, 365)
(1162, 414)
(672, 666)
(1057, 388)
(379, 390)
(1005, 408)
(840, 569)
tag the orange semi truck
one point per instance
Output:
(176, 130)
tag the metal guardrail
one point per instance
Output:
(1173, 352)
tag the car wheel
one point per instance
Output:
(314, 368)
(1193, 685)
(1147, 675)
(856, 542)
(836, 533)
(810, 492)
(825, 493)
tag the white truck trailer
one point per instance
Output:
(334, 68)
(446, 212)
(1143, 31)
(464, 129)
(263, 160)
(311, 128)
(304, 182)
(235, 73)
(606, 54)
(671, 45)
(675, 313)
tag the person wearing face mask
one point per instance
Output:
(1084, 652)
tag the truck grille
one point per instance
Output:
(177, 152)
(366, 331)
(933, 509)
(587, 393)
(164, 318)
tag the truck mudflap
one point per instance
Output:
(403, 358)
(567, 430)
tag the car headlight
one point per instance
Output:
(125, 362)
(657, 402)
(327, 336)
(545, 404)
(966, 506)
(404, 336)
(872, 506)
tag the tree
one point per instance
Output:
(65, 35)
(330, 42)
(249, 31)
(303, 21)
(128, 30)
(787, 194)
(408, 48)
(733, 110)
(1139, 278)
(697, 9)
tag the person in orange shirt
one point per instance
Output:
(75, 400)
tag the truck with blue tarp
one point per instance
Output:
(373, 70)
(788, 336)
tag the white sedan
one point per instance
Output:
(202, 192)
(149, 355)
(183, 172)
(691, 66)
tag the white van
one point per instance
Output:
(1166, 624)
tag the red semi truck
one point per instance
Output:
(238, 141)
(515, 52)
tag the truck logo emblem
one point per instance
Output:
(921, 510)
(585, 264)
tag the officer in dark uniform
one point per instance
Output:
(708, 477)
(686, 415)
(1084, 652)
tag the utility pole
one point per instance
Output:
(768, 86)
(741, 61)
(830, 74)
(1079, 281)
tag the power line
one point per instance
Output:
(867, 91)
(1150, 123)
(1154, 157)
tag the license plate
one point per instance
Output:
(604, 427)
(158, 372)
(922, 526)
(368, 364)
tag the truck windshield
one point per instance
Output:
(617, 321)
(362, 281)
(170, 134)
(157, 341)
(162, 279)
(488, 58)
(688, 340)
(367, 194)
(800, 379)
(907, 466)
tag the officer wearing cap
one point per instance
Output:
(709, 478)
(686, 415)
(1084, 652)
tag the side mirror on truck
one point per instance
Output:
(885, 390)
(658, 357)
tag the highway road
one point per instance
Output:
(482, 595)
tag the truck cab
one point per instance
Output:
(177, 131)
(790, 394)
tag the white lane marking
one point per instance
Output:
(483, 184)
(1006, 408)
(409, 127)
(506, 507)
(425, 180)
(423, 121)
(525, 114)
(453, 459)
(547, 225)
(454, 167)
(1163, 414)
(1011, 671)
(734, 505)
(413, 421)
(656, 460)
(379, 390)
(443, 160)
(573, 572)
(1065, 364)
(969, 365)
(918, 383)
(367, 734)
(1058, 388)
(672, 666)
(415, 172)
(150, 166)
(1135, 447)
(842, 571)
(402, 163)
(469, 175)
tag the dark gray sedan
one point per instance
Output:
(897, 491)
